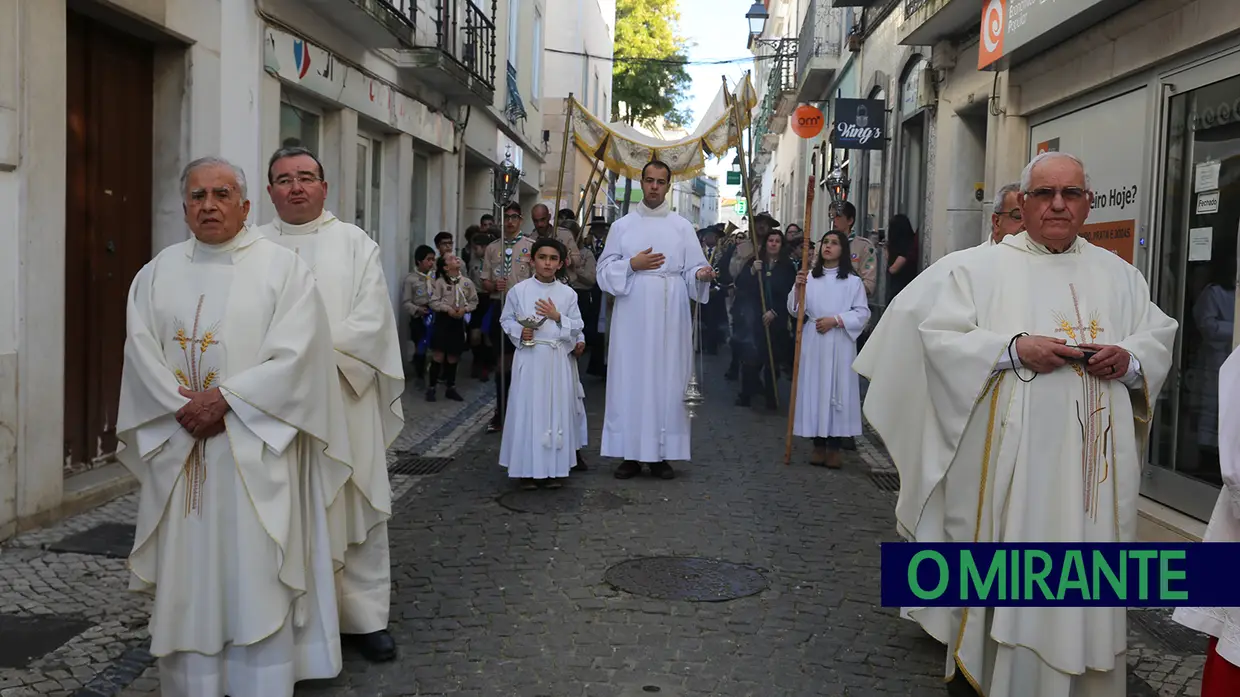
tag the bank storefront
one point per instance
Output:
(1163, 153)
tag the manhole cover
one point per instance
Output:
(106, 539)
(567, 500)
(685, 578)
(23, 639)
(886, 481)
(408, 463)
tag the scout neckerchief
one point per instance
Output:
(508, 245)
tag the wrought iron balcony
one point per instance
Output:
(458, 59)
(376, 23)
(926, 22)
(818, 50)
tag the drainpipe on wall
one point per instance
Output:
(459, 151)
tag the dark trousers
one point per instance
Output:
(756, 380)
(831, 443)
(417, 334)
(591, 304)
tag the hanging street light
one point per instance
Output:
(757, 16)
(507, 179)
(736, 164)
(837, 184)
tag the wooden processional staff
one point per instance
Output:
(796, 354)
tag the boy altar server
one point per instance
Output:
(540, 438)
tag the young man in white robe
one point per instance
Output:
(653, 265)
(1221, 677)
(828, 407)
(232, 423)
(895, 401)
(1031, 438)
(540, 438)
(349, 277)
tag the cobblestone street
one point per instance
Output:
(506, 594)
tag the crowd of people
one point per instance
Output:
(263, 377)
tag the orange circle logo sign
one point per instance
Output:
(807, 121)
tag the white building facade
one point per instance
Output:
(410, 104)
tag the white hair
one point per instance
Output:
(238, 174)
(1000, 197)
(1026, 176)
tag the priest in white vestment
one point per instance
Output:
(895, 364)
(233, 427)
(1034, 441)
(1222, 624)
(653, 265)
(540, 439)
(349, 276)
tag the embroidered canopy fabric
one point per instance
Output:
(628, 150)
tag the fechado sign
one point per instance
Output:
(860, 124)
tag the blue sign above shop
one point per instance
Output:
(859, 124)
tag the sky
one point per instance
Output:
(715, 30)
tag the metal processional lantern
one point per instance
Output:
(837, 185)
(507, 178)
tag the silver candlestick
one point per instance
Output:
(530, 323)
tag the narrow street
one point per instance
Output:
(510, 594)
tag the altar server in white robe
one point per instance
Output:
(1042, 442)
(232, 424)
(1221, 677)
(349, 275)
(828, 405)
(539, 444)
(896, 398)
(653, 265)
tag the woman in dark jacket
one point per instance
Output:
(772, 274)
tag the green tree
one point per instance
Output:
(649, 79)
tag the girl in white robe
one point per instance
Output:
(542, 431)
(828, 404)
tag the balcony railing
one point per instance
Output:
(821, 35)
(465, 33)
(911, 7)
(783, 64)
(404, 10)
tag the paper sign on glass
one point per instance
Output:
(1200, 243)
(1206, 178)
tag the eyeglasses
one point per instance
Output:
(1014, 214)
(1047, 194)
(512, 216)
(303, 179)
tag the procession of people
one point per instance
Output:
(264, 370)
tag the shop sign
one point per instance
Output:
(1009, 25)
(859, 124)
(741, 207)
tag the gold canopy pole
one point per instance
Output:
(753, 230)
(568, 122)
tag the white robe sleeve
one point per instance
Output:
(695, 259)
(858, 316)
(508, 318)
(155, 433)
(615, 274)
(275, 433)
(1229, 428)
(571, 323)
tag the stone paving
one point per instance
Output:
(490, 601)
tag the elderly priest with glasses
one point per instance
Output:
(1043, 357)
(231, 421)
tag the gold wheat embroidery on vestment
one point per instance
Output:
(1092, 412)
(197, 375)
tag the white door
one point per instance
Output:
(369, 184)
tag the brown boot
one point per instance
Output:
(833, 459)
(818, 457)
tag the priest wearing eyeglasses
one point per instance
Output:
(1044, 356)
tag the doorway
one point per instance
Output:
(108, 212)
(369, 184)
(1195, 269)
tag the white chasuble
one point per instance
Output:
(1054, 459)
(1223, 623)
(828, 391)
(231, 539)
(346, 265)
(650, 339)
(542, 431)
(897, 402)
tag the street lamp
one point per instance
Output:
(837, 185)
(507, 177)
(736, 163)
(757, 16)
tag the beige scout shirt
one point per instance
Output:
(454, 296)
(585, 272)
(864, 262)
(416, 297)
(522, 265)
(740, 256)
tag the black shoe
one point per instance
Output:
(453, 395)
(376, 647)
(581, 464)
(628, 469)
(553, 483)
(662, 470)
(430, 394)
